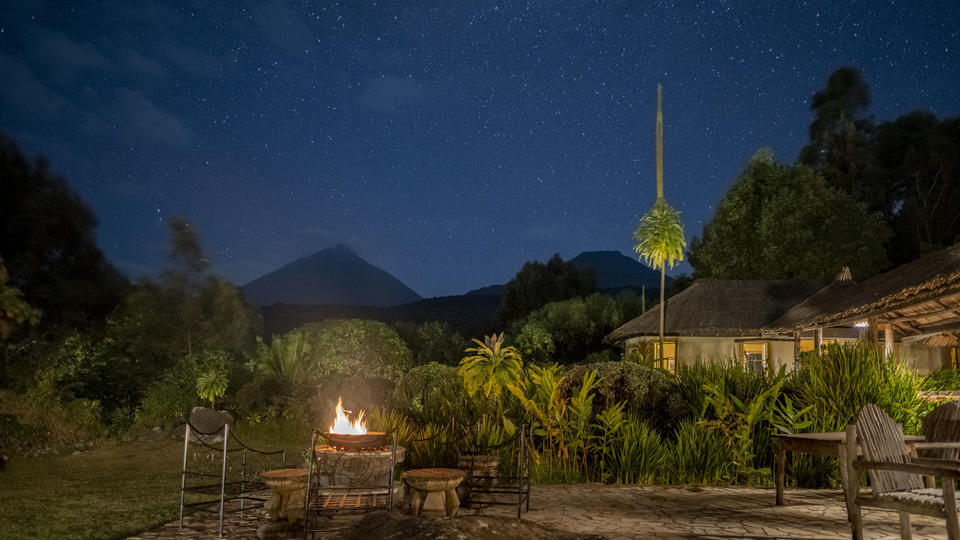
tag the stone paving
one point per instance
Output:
(620, 512)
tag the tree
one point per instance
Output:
(569, 330)
(188, 312)
(660, 242)
(48, 244)
(779, 221)
(838, 107)
(356, 347)
(537, 283)
(659, 235)
(431, 341)
(14, 311)
(917, 175)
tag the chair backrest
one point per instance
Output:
(942, 425)
(881, 439)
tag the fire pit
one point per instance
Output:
(351, 442)
(355, 457)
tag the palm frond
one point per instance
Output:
(659, 236)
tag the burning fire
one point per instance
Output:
(342, 424)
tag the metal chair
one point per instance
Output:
(488, 488)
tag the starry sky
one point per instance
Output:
(446, 142)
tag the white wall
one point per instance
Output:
(923, 360)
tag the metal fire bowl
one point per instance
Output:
(372, 439)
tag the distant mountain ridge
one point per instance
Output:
(335, 275)
(611, 269)
(614, 270)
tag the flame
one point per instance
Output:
(342, 424)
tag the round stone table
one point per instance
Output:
(287, 488)
(434, 491)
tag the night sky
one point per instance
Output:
(448, 142)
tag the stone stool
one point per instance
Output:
(434, 491)
(287, 487)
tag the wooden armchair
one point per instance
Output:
(896, 476)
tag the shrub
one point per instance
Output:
(698, 455)
(845, 377)
(649, 394)
(36, 421)
(168, 401)
(356, 347)
(434, 393)
(944, 379)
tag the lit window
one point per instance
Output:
(669, 355)
(954, 358)
(755, 356)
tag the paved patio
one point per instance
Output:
(620, 512)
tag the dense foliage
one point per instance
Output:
(773, 208)
(537, 284)
(569, 330)
(905, 169)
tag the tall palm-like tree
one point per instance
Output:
(659, 235)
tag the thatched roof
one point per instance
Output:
(720, 307)
(918, 297)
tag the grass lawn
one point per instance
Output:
(111, 491)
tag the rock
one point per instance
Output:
(205, 420)
(279, 530)
(154, 434)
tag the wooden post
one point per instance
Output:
(874, 334)
(888, 339)
(796, 346)
(818, 339)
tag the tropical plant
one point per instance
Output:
(436, 393)
(660, 242)
(577, 429)
(610, 423)
(212, 385)
(698, 455)
(639, 454)
(356, 347)
(539, 396)
(491, 368)
(287, 356)
(737, 420)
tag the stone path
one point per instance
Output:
(647, 512)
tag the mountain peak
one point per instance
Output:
(614, 270)
(335, 275)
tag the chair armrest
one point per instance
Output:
(915, 467)
(929, 445)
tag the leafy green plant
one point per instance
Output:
(737, 420)
(639, 454)
(698, 455)
(944, 379)
(610, 425)
(490, 369)
(212, 385)
(577, 429)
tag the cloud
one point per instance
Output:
(192, 59)
(144, 118)
(283, 27)
(388, 93)
(134, 60)
(64, 58)
(22, 91)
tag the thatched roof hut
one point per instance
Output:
(920, 298)
(720, 307)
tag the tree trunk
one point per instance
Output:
(663, 280)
